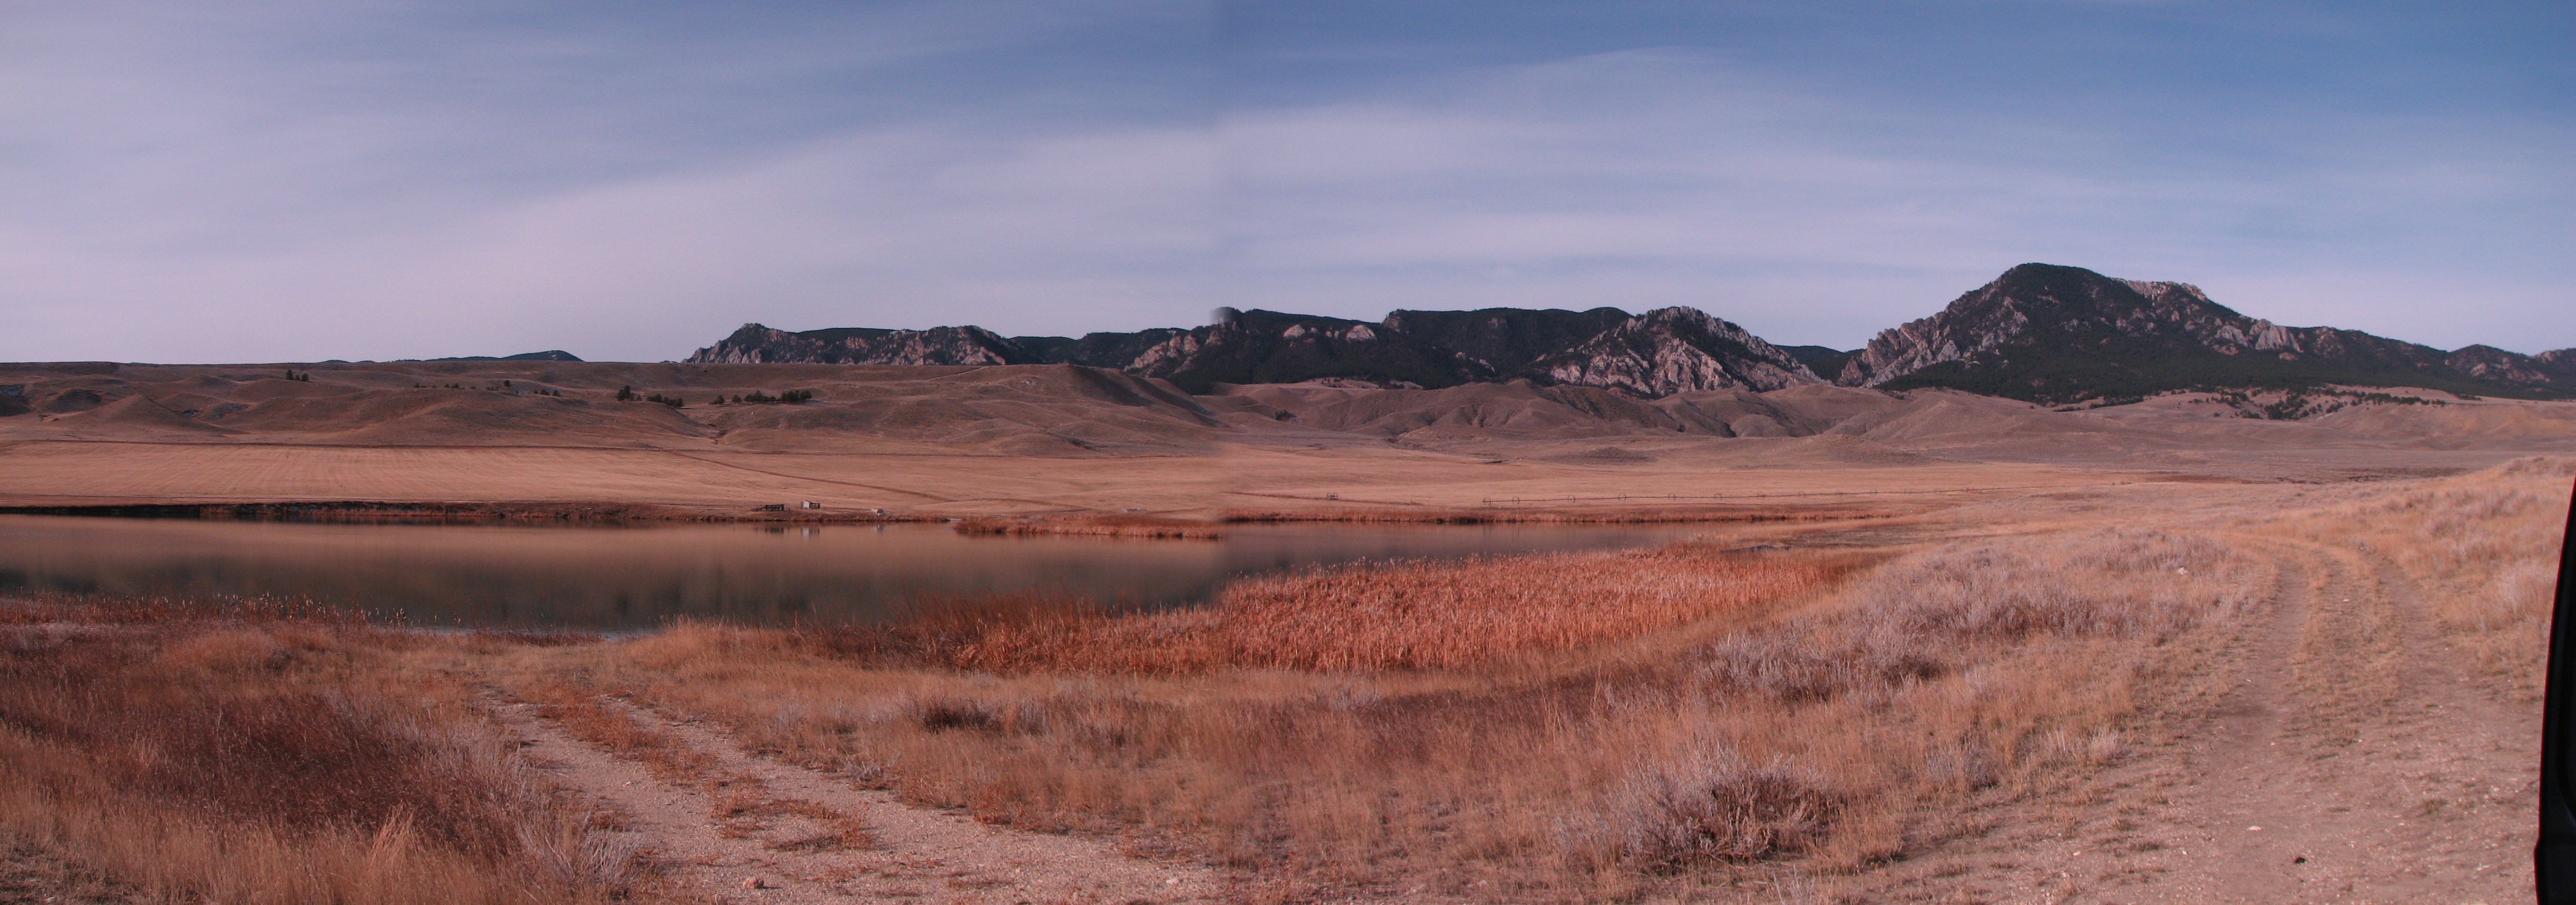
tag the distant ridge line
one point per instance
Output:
(2042, 333)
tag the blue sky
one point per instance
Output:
(307, 180)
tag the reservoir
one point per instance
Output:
(613, 578)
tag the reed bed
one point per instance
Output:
(1104, 526)
(1500, 516)
(1405, 615)
(1369, 730)
(272, 760)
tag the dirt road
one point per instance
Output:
(2330, 752)
(750, 829)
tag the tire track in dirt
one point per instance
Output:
(2252, 802)
(2349, 763)
(747, 832)
(2330, 752)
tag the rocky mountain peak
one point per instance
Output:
(2039, 332)
(2052, 333)
(1674, 350)
(968, 345)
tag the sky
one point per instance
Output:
(268, 181)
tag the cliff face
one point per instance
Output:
(2058, 334)
(1674, 350)
(2559, 364)
(756, 344)
(1272, 347)
(1099, 350)
(1655, 354)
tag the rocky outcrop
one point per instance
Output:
(756, 344)
(2050, 333)
(1272, 347)
(1099, 350)
(2559, 364)
(2491, 363)
(2039, 332)
(1674, 350)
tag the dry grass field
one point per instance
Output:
(1930, 648)
(732, 483)
(237, 759)
(2090, 696)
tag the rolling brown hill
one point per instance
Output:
(554, 436)
(1073, 410)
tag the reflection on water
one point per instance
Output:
(608, 578)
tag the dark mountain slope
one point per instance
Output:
(547, 355)
(1270, 347)
(2047, 333)
(756, 344)
(1508, 340)
(1674, 350)
(1098, 350)
(1825, 361)
(2038, 333)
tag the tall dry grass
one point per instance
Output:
(1496, 515)
(1093, 526)
(1357, 730)
(2483, 547)
(1371, 616)
(273, 761)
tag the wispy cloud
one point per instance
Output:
(1666, 177)
(375, 179)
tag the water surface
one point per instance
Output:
(631, 577)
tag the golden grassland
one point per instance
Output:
(1342, 728)
(1604, 515)
(1552, 727)
(2484, 547)
(276, 760)
(919, 480)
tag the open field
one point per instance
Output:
(732, 483)
(1929, 648)
(540, 438)
(2172, 692)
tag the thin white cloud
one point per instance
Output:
(382, 179)
(908, 227)
(1657, 178)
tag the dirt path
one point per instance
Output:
(748, 829)
(2336, 755)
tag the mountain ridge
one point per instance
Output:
(2042, 333)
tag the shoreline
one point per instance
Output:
(1117, 523)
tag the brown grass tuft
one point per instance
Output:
(276, 762)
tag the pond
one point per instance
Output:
(611, 578)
